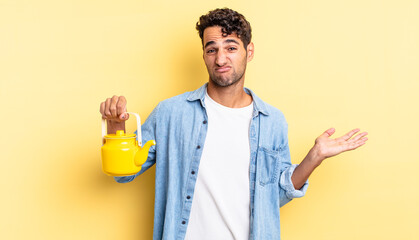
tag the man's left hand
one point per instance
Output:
(326, 147)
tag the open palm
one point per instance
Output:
(327, 147)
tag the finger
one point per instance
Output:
(329, 132)
(124, 116)
(112, 108)
(102, 110)
(121, 108)
(362, 140)
(357, 144)
(106, 111)
(349, 134)
(359, 136)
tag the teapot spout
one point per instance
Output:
(142, 154)
(147, 145)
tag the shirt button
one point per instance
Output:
(198, 147)
(193, 172)
(188, 197)
(183, 222)
(204, 122)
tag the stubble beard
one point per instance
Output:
(226, 81)
(221, 81)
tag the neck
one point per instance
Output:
(232, 96)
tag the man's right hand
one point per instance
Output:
(114, 110)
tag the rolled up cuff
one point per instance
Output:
(286, 184)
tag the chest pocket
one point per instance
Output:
(268, 163)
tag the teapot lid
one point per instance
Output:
(120, 134)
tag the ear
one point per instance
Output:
(250, 51)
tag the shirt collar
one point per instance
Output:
(258, 104)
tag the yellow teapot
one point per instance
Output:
(123, 154)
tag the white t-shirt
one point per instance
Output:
(221, 201)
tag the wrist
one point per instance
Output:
(314, 156)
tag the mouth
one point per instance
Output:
(223, 69)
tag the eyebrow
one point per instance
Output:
(226, 41)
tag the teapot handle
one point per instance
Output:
(139, 138)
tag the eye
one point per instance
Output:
(210, 51)
(232, 48)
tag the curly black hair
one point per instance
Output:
(229, 20)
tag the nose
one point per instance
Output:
(221, 58)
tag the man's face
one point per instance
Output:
(225, 57)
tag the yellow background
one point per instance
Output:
(324, 63)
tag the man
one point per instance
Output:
(222, 159)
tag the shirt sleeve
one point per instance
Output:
(287, 185)
(287, 192)
(148, 132)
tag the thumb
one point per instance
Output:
(329, 132)
(124, 116)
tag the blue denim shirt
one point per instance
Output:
(179, 126)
